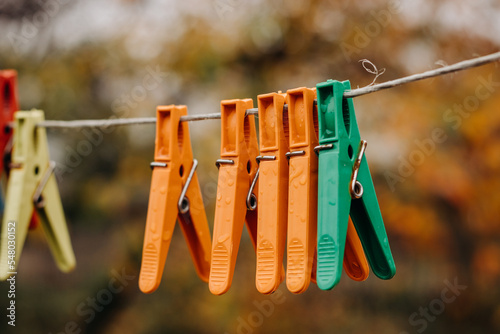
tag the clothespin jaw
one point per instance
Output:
(355, 263)
(237, 171)
(303, 185)
(340, 150)
(273, 191)
(32, 184)
(175, 193)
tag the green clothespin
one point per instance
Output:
(32, 184)
(345, 188)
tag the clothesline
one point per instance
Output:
(349, 94)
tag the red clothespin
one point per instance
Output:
(9, 104)
(237, 171)
(175, 194)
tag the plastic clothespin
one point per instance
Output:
(9, 105)
(32, 185)
(302, 193)
(234, 204)
(346, 188)
(355, 264)
(175, 194)
(273, 191)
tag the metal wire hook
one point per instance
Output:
(251, 198)
(183, 203)
(356, 188)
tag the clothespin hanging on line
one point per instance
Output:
(32, 185)
(175, 194)
(302, 189)
(234, 203)
(273, 191)
(9, 105)
(346, 188)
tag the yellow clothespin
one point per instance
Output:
(9, 104)
(32, 185)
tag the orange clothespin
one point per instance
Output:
(273, 191)
(303, 188)
(9, 105)
(175, 193)
(355, 262)
(303, 192)
(237, 171)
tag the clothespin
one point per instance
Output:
(32, 185)
(346, 188)
(235, 203)
(355, 263)
(9, 103)
(303, 185)
(175, 194)
(273, 191)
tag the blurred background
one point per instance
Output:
(433, 148)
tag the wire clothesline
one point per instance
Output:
(470, 63)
